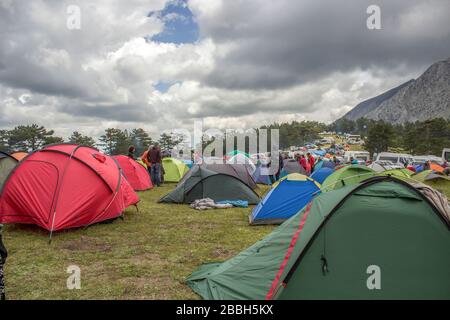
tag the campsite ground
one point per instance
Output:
(146, 256)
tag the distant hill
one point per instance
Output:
(423, 98)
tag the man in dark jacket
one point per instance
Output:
(3, 255)
(154, 157)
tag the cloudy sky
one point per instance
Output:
(162, 64)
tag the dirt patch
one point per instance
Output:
(86, 244)
(221, 252)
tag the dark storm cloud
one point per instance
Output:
(282, 43)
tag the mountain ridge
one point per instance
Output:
(419, 99)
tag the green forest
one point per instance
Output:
(426, 137)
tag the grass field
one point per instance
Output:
(147, 255)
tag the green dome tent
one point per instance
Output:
(174, 169)
(202, 183)
(7, 164)
(330, 249)
(435, 180)
(403, 173)
(236, 152)
(347, 175)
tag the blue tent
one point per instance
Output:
(321, 174)
(287, 197)
(320, 153)
(260, 175)
(189, 163)
(328, 164)
(318, 165)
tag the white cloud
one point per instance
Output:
(284, 61)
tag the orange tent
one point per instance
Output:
(433, 166)
(19, 155)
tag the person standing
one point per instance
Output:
(131, 151)
(280, 166)
(3, 255)
(144, 159)
(155, 159)
(305, 164)
(311, 161)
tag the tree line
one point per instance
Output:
(420, 137)
(114, 141)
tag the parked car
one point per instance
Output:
(396, 158)
(361, 156)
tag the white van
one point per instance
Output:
(399, 158)
(423, 159)
(361, 156)
(446, 154)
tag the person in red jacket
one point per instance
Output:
(311, 160)
(305, 164)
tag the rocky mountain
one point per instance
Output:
(424, 98)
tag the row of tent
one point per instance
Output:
(216, 181)
(65, 186)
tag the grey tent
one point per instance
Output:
(239, 171)
(202, 183)
(7, 164)
(292, 166)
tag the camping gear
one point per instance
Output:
(321, 174)
(7, 164)
(287, 197)
(174, 169)
(261, 174)
(347, 175)
(436, 198)
(207, 204)
(19, 155)
(202, 183)
(65, 186)
(135, 173)
(330, 249)
(235, 203)
(436, 167)
(3, 256)
(291, 166)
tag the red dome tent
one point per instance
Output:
(65, 186)
(135, 173)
